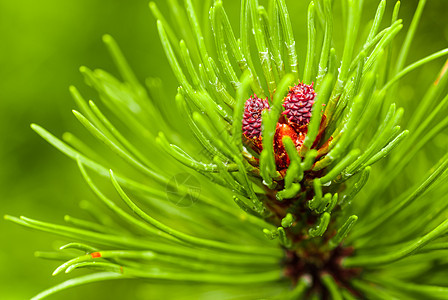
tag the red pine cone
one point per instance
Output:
(298, 104)
(252, 116)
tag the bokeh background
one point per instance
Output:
(42, 45)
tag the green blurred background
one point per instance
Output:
(42, 45)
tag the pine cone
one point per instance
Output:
(252, 116)
(298, 104)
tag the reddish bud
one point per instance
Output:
(298, 104)
(252, 116)
(282, 130)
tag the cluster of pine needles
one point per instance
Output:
(339, 221)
